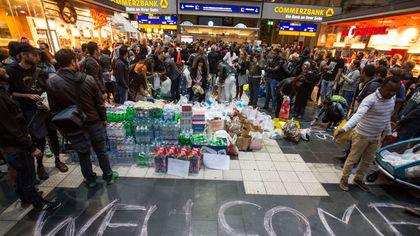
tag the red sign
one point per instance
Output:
(99, 18)
(365, 31)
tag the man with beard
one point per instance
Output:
(27, 84)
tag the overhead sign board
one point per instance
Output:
(148, 6)
(223, 8)
(159, 22)
(186, 6)
(297, 29)
(298, 12)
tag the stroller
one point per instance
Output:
(400, 162)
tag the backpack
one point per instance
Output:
(340, 99)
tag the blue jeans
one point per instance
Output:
(348, 95)
(270, 87)
(92, 137)
(326, 89)
(122, 94)
(23, 163)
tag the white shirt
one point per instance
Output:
(188, 76)
(373, 116)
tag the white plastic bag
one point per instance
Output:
(305, 134)
(156, 83)
(166, 88)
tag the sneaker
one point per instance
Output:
(90, 184)
(344, 184)
(42, 173)
(61, 166)
(48, 206)
(112, 179)
(361, 184)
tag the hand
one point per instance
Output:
(104, 123)
(339, 134)
(36, 153)
(35, 97)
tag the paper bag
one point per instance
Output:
(243, 142)
(216, 125)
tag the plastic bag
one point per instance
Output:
(291, 131)
(156, 83)
(346, 135)
(305, 134)
(256, 141)
(285, 108)
(166, 88)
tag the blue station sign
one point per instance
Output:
(185, 6)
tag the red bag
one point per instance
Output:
(285, 108)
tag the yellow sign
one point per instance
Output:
(142, 3)
(164, 4)
(304, 11)
(297, 33)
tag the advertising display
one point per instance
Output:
(297, 29)
(218, 8)
(149, 6)
(298, 12)
(221, 8)
(157, 22)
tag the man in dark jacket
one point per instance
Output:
(68, 88)
(214, 58)
(173, 73)
(276, 72)
(369, 82)
(91, 65)
(18, 149)
(255, 68)
(409, 123)
(121, 75)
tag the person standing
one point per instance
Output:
(18, 150)
(304, 91)
(371, 119)
(199, 79)
(121, 75)
(91, 65)
(351, 81)
(242, 67)
(105, 62)
(276, 71)
(334, 68)
(255, 70)
(408, 125)
(214, 59)
(70, 87)
(173, 73)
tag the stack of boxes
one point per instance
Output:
(198, 121)
(186, 121)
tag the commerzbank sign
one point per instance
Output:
(148, 6)
(298, 12)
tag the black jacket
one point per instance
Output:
(92, 67)
(13, 126)
(121, 73)
(214, 59)
(62, 93)
(410, 113)
(276, 69)
(171, 69)
(370, 87)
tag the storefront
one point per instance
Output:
(225, 21)
(389, 33)
(154, 18)
(290, 23)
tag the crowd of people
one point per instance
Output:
(43, 94)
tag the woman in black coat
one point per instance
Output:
(199, 76)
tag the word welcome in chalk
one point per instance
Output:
(140, 227)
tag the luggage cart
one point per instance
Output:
(398, 173)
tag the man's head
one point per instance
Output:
(92, 49)
(123, 52)
(338, 55)
(408, 66)
(28, 54)
(368, 72)
(328, 103)
(355, 64)
(44, 47)
(66, 58)
(84, 48)
(390, 87)
(381, 72)
(13, 48)
(396, 59)
(275, 53)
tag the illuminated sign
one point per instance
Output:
(184, 6)
(297, 29)
(159, 22)
(364, 31)
(99, 18)
(298, 12)
(149, 6)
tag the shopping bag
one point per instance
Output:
(285, 108)
(257, 141)
(346, 135)
(291, 131)
(243, 142)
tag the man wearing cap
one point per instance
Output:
(255, 68)
(18, 149)
(27, 84)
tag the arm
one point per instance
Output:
(99, 102)
(361, 111)
(337, 77)
(11, 128)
